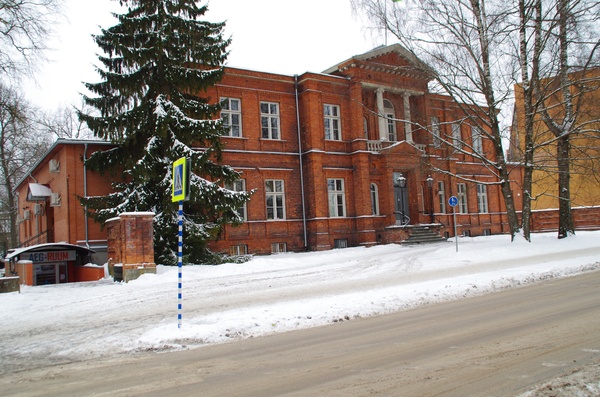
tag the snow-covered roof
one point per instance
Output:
(381, 50)
(47, 247)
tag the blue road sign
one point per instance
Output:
(453, 201)
(181, 180)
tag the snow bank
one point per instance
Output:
(277, 293)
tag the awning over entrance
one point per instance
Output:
(57, 250)
(38, 192)
(52, 263)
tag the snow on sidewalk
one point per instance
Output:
(68, 322)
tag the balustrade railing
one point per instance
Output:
(377, 146)
(374, 146)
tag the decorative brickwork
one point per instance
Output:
(131, 245)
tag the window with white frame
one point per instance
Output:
(477, 140)
(374, 199)
(269, 120)
(337, 199)
(456, 136)
(366, 127)
(442, 197)
(239, 185)
(275, 198)
(231, 114)
(332, 122)
(435, 130)
(237, 250)
(277, 248)
(390, 115)
(482, 200)
(461, 193)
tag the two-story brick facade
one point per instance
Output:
(48, 197)
(331, 147)
(347, 157)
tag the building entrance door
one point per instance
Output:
(401, 200)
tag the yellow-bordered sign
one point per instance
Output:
(181, 180)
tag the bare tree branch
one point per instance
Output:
(25, 26)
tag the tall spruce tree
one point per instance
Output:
(159, 59)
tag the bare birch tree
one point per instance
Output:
(479, 49)
(20, 146)
(558, 43)
(562, 119)
(530, 30)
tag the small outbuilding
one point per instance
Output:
(52, 263)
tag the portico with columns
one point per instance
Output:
(400, 116)
(394, 107)
(383, 119)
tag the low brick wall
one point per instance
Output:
(584, 218)
(10, 284)
(89, 273)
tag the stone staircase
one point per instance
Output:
(423, 234)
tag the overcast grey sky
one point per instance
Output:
(268, 35)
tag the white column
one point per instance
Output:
(382, 123)
(407, 122)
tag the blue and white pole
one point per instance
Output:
(179, 262)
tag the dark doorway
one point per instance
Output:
(401, 199)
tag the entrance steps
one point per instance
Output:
(423, 234)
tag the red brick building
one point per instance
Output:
(325, 152)
(48, 198)
(346, 157)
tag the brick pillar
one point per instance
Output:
(131, 245)
(365, 228)
(138, 237)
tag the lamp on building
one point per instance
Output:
(429, 182)
(401, 180)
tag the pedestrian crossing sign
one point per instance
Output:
(181, 180)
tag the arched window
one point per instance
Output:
(374, 199)
(366, 127)
(390, 115)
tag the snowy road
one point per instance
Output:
(499, 344)
(72, 322)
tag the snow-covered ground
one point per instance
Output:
(57, 323)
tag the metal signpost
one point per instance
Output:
(180, 193)
(453, 201)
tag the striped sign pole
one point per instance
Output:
(181, 182)
(180, 264)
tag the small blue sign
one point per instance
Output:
(453, 201)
